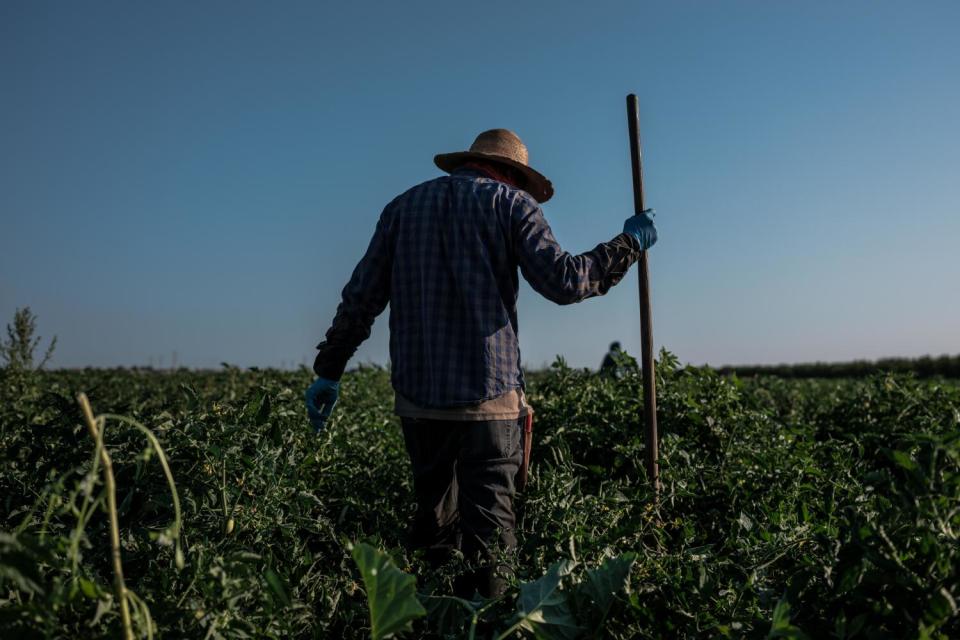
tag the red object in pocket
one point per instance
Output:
(527, 444)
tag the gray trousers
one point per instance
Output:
(464, 479)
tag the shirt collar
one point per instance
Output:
(469, 171)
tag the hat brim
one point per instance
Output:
(537, 184)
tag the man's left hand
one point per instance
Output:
(642, 228)
(321, 397)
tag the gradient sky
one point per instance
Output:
(202, 177)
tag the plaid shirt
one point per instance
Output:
(445, 256)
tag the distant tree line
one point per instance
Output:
(924, 367)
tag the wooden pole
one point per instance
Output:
(651, 438)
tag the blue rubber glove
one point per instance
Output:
(321, 397)
(641, 227)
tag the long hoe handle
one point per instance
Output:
(646, 322)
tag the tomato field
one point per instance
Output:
(790, 508)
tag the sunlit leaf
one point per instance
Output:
(391, 593)
(600, 585)
(544, 609)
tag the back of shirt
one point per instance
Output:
(453, 314)
(445, 256)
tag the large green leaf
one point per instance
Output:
(447, 615)
(595, 594)
(391, 593)
(544, 609)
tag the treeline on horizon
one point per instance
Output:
(945, 366)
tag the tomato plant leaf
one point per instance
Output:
(543, 609)
(447, 614)
(598, 588)
(277, 586)
(391, 593)
(263, 412)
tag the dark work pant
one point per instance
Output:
(463, 477)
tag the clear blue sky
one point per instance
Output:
(202, 177)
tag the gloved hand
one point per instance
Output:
(321, 396)
(641, 227)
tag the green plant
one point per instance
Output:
(391, 593)
(17, 350)
(825, 508)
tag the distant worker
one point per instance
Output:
(609, 365)
(445, 256)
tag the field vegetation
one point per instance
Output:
(790, 508)
(943, 366)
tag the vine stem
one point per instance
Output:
(119, 586)
(177, 525)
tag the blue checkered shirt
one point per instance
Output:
(445, 256)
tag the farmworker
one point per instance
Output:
(609, 365)
(445, 256)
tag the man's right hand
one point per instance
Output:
(321, 396)
(641, 227)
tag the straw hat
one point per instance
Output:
(505, 147)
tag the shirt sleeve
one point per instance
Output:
(559, 276)
(364, 298)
